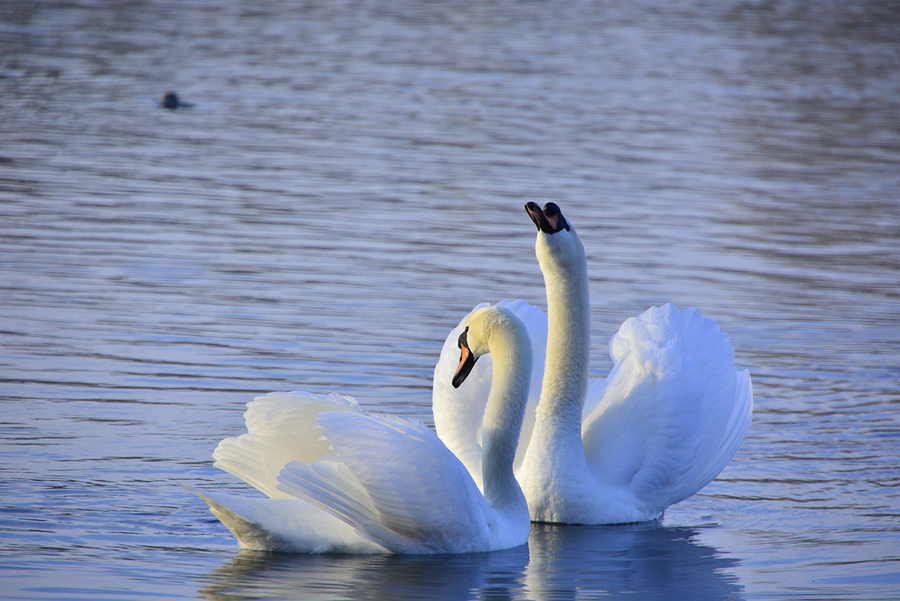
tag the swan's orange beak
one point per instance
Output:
(467, 360)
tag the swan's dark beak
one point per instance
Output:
(549, 219)
(467, 360)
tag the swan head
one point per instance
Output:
(484, 327)
(558, 247)
(549, 220)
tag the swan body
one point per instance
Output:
(349, 481)
(281, 428)
(667, 419)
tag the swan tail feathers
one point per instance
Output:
(281, 427)
(288, 525)
(237, 514)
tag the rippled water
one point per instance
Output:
(350, 182)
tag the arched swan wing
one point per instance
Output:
(458, 412)
(395, 482)
(674, 412)
(281, 427)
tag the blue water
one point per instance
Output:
(349, 182)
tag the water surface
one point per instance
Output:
(350, 182)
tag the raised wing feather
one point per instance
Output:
(458, 412)
(395, 482)
(674, 410)
(281, 427)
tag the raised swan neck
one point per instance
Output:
(568, 341)
(554, 472)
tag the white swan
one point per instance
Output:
(668, 418)
(366, 483)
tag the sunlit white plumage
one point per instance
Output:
(458, 412)
(378, 483)
(281, 427)
(667, 419)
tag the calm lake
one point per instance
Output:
(349, 182)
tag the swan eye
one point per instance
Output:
(555, 217)
(463, 340)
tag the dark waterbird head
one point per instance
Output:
(170, 100)
(549, 219)
(173, 101)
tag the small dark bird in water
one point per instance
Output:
(172, 101)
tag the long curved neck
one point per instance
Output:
(565, 381)
(511, 356)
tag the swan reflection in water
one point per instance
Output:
(262, 575)
(560, 562)
(568, 562)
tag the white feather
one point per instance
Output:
(394, 480)
(281, 428)
(674, 411)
